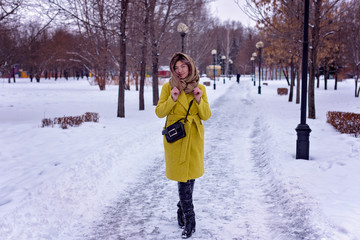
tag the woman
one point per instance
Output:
(184, 158)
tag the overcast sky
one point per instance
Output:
(229, 10)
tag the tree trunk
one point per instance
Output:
(155, 81)
(137, 81)
(336, 79)
(156, 41)
(326, 74)
(298, 67)
(122, 74)
(292, 77)
(317, 75)
(143, 57)
(128, 80)
(314, 51)
(14, 75)
(286, 76)
(154, 53)
(142, 78)
(311, 93)
(101, 81)
(278, 71)
(266, 74)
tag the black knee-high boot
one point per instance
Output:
(180, 214)
(186, 202)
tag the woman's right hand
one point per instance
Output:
(175, 93)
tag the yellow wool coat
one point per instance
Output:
(184, 158)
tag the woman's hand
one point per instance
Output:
(175, 93)
(197, 94)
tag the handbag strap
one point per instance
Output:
(188, 110)
(186, 113)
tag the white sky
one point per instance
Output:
(229, 10)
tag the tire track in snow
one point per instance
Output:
(229, 199)
(256, 203)
(294, 215)
(142, 211)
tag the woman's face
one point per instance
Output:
(181, 69)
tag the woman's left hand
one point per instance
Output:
(197, 94)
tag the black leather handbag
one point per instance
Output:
(176, 130)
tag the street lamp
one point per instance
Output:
(230, 68)
(223, 65)
(254, 55)
(303, 130)
(213, 52)
(259, 45)
(183, 30)
(252, 59)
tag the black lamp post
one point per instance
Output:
(303, 130)
(223, 58)
(213, 52)
(230, 68)
(259, 45)
(183, 30)
(254, 55)
(252, 59)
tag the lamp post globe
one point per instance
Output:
(213, 52)
(259, 45)
(183, 30)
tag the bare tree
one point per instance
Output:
(351, 32)
(95, 21)
(144, 47)
(9, 49)
(138, 43)
(122, 75)
(8, 9)
(163, 16)
(318, 32)
(264, 11)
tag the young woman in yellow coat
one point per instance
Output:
(185, 157)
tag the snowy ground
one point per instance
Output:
(106, 180)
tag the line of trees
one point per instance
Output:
(115, 37)
(334, 40)
(111, 37)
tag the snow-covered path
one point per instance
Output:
(239, 197)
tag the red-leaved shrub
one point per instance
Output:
(71, 121)
(282, 91)
(345, 122)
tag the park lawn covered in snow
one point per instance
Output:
(52, 179)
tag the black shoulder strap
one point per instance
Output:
(186, 113)
(188, 110)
